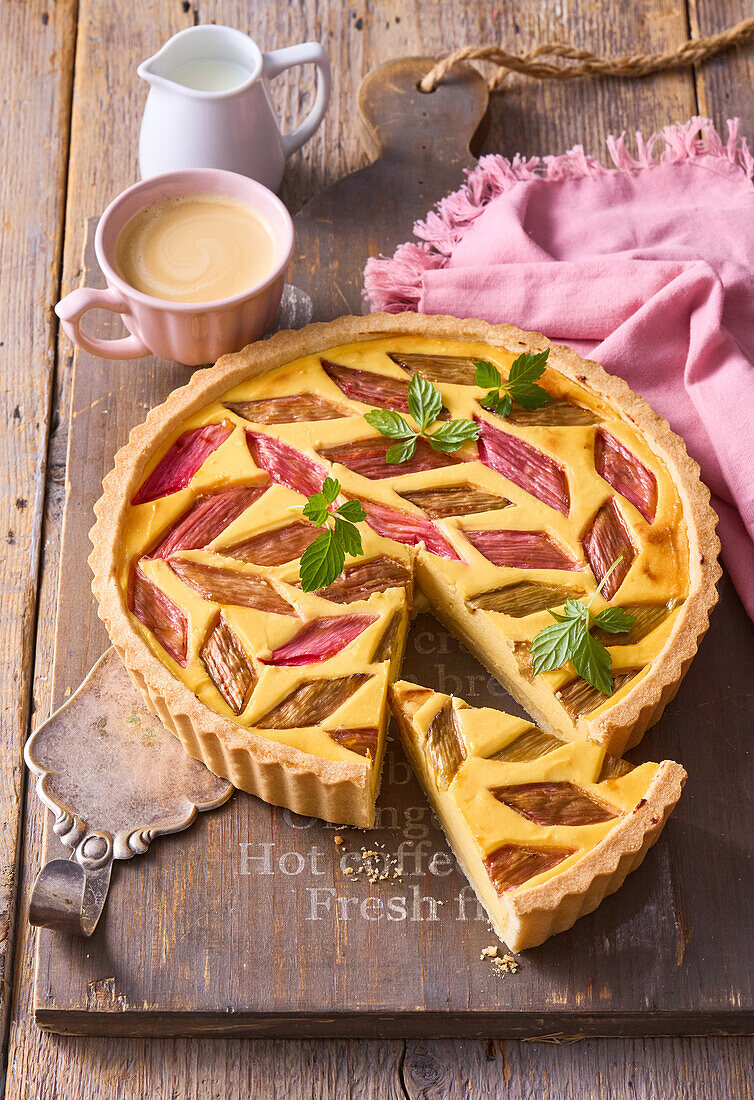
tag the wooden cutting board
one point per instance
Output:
(247, 924)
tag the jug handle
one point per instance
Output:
(72, 308)
(307, 53)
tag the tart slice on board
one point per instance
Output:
(543, 828)
(201, 529)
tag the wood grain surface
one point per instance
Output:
(107, 101)
(392, 957)
(32, 204)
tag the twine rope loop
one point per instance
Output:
(691, 52)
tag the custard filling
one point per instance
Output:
(497, 535)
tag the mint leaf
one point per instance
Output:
(529, 367)
(330, 489)
(389, 423)
(523, 376)
(401, 452)
(520, 386)
(322, 562)
(503, 405)
(348, 537)
(424, 401)
(487, 374)
(425, 405)
(614, 620)
(552, 647)
(574, 609)
(592, 661)
(351, 511)
(449, 437)
(569, 639)
(315, 509)
(528, 395)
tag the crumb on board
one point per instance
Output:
(338, 840)
(376, 866)
(504, 964)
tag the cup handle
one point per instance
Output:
(308, 53)
(72, 308)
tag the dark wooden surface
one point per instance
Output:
(61, 120)
(394, 957)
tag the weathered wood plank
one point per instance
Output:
(607, 1069)
(725, 85)
(71, 1067)
(33, 152)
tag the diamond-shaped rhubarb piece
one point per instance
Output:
(383, 651)
(628, 476)
(550, 804)
(522, 655)
(512, 865)
(455, 500)
(275, 547)
(231, 586)
(521, 549)
(207, 517)
(285, 464)
(579, 697)
(522, 598)
(555, 414)
(228, 667)
(457, 369)
(606, 540)
(524, 465)
(359, 581)
(444, 745)
(292, 408)
(411, 530)
(320, 639)
(530, 745)
(371, 388)
(158, 613)
(368, 457)
(648, 617)
(412, 699)
(613, 767)
(311, 702)
(361, 741)
(175, 469)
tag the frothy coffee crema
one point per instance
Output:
(199, 248)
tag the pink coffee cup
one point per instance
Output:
(190, 332)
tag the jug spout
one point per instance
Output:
(147, 69)
(204, 61)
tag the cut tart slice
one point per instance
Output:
(201, 530)
(543, 828)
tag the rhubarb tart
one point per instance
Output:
(543, 828)
(259, 537)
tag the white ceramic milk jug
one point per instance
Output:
(208, 105)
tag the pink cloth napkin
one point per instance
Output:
(647, 268)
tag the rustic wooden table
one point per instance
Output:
(72, 105)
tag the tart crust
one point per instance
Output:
(342, 791)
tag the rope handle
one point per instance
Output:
(690, 52)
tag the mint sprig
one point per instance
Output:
(424, 405)
(569, 639)
(322, 562)
(520, 386)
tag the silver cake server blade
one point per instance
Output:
(114, 778)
